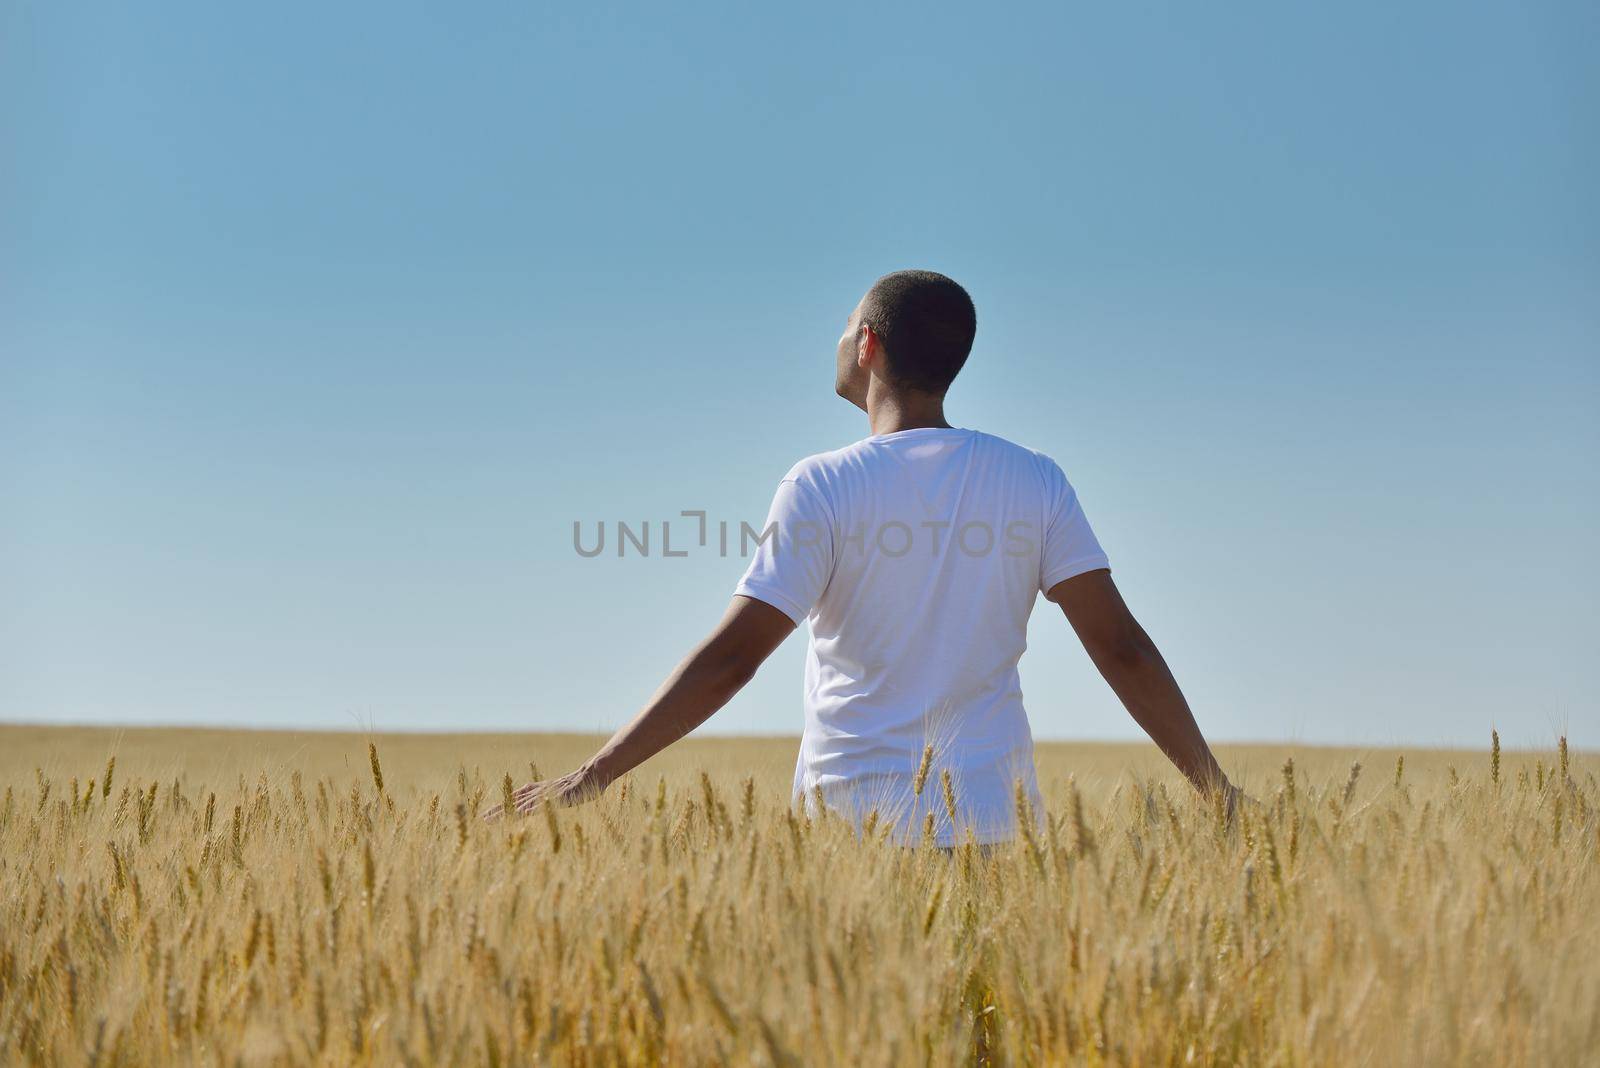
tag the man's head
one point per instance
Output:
(913, 330)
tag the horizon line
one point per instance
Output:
(717, 736)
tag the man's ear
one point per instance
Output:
(868, 347)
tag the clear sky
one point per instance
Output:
(320, 324)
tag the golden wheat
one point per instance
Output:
(1441, 917)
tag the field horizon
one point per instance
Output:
(1242, 759)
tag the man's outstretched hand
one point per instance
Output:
(719, 666)
(573, 788)
(1136, 672)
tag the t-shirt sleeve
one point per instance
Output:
(1070, 547)
(793, 559)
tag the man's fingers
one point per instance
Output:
(524, 799)
(529, 797)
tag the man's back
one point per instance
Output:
(917, 557)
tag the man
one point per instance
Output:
(917, 555)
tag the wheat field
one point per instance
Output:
(209, 897)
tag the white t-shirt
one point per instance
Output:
(917, 558)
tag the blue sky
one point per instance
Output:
(321, 324)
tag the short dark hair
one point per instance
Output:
(926, 323)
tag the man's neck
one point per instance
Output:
(890, 413)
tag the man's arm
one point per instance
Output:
(707, 679)
(1132, 665)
